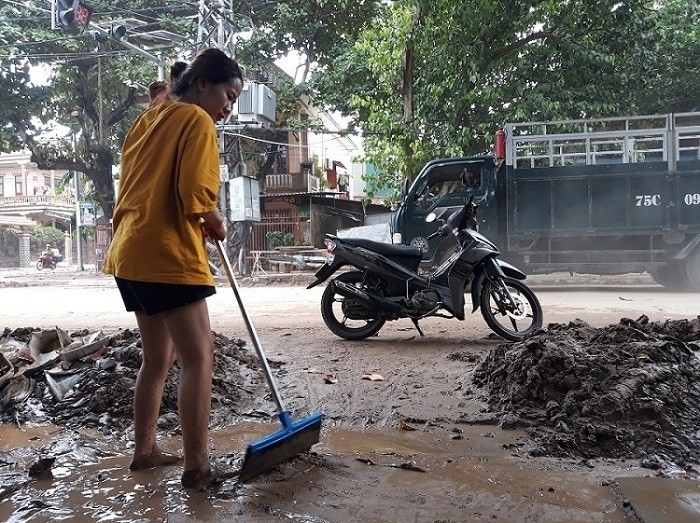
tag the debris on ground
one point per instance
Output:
(624, 391)
(86, 379)
(630, 390)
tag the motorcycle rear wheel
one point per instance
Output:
(513, 324)
(345, 317)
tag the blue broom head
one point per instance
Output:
(286, 443)
(290, 429)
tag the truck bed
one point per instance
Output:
(623, 186)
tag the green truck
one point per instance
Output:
(604, 196)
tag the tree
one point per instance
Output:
(421, 79)
(428, 79)
(92, 89)
(664, 69)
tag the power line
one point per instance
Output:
(25, 6)
(96, 15)
(300, 146)
(27, 44)
(63, 57)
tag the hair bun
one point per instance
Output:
(176, 70)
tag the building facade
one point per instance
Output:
(29, 197)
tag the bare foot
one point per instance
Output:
(196, 478)
(157, 458)
(207, 477)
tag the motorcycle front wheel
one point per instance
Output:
(39, 265)
(348, 318)
(515, 321)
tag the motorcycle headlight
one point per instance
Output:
(330, 245)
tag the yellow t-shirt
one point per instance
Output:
(170, 171)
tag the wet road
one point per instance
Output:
(76, 300)
(441, 471)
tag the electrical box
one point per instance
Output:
(244, 199)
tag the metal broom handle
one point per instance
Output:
(249, 325)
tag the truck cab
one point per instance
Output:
(442, 187)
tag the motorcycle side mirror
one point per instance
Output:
(431, 217)
(404, 190)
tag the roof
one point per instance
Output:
(14, 220)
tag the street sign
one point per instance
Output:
(87, 214)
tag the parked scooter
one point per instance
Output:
(387, 284)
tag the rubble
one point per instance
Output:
(85, 379)
(624, 391)
(630, 390)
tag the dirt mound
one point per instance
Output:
(630, 390)
(102, 394)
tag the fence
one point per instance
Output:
(283, 222)
(103, 237)
(668, 138)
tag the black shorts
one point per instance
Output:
(154, 298)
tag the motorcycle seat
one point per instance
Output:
(386, 249)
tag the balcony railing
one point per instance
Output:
(24, 201)
(291, 182)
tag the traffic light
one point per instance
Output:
(73, 13)
(117, 31)
(64, 13)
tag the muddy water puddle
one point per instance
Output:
(466, 473)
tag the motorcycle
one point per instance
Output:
(45, 262)
(386, 284)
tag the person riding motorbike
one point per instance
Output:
(47, 255)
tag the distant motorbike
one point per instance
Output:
(387, 285)
(45, 262)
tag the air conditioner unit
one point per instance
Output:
(257, 104)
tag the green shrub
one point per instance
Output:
(43, 235)
(279, 239)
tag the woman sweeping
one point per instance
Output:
(167, 205)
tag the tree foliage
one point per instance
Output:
(420, 79)
(428, 79)
(91, 89)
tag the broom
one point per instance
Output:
(294, 437)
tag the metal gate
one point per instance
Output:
(283, 222)
(103, 237)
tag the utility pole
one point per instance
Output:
(78, 218)
(216, 29)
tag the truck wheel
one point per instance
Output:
(673, 275)
(692, 270)
(347, 318)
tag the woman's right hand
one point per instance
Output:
(212, 224)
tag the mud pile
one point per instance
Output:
(101, 393)
(630, 390)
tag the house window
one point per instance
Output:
(2, 186)
(282, 161)
(18, 185)
(47, 181)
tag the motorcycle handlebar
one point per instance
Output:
(469, 213)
